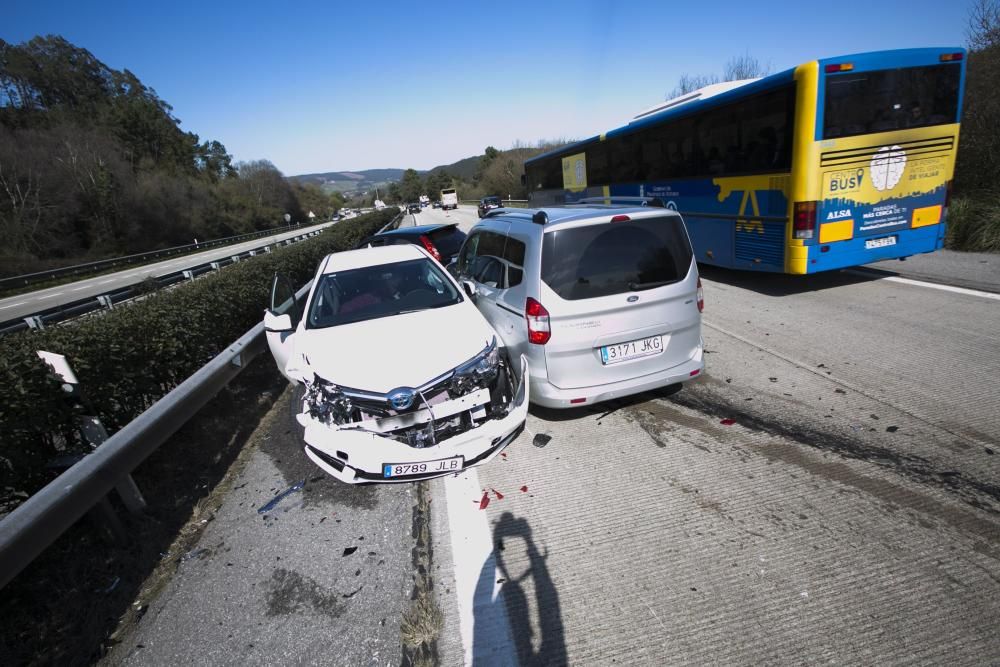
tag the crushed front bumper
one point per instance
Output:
(356, 456)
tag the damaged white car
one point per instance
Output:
(403, 377)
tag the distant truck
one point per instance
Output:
(449, 199)
(379, 204)
(425, 200)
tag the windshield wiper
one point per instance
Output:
(635, 287)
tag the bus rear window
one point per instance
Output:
(613, 258)
(893, 99)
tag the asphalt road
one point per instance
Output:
(320, 578)
(826, 492)
(26, 304)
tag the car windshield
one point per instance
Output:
(373, 292)
(616, 257)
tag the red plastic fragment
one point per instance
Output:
(503, 454)
(524, 489)
(498, 494)
(484, 501)
(727, 421)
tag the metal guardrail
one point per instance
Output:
(100, 265)
(42, 518)
(39, 319)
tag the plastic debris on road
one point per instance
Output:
(727, 421)
(484, 501)
(541, 440)
(348, 551)
(524, 489)
(281, 496)
(497, 494)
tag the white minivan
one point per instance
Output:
(602, 301)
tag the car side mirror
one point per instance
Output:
(277, 323)
(470, 289)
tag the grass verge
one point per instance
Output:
(422, 621)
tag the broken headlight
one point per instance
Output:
(478, 372)
(325, 402)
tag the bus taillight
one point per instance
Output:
(950, 57)
(804, 221)
(839, 67)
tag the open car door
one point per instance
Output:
(281, 320)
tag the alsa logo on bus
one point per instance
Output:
(847, 180)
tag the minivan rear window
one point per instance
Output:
(616, 257)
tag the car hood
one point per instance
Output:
(383, 354)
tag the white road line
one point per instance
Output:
(11, 305)
(921, 283)
(48, 296)
(105, 282)
(482, 615)
(77, 289)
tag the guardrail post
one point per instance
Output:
(253, 253)
(235, 258)
(189, 274)
(34, 322)
(105, 301)
(267, 248)
(215, 266)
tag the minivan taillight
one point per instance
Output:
(804, 221)
(431, 248)
(539, 331)
(701, 297)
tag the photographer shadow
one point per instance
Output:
(505, 585)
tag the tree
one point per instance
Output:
(743, 67)
(736, 69)
(411, 186)
(979, 152)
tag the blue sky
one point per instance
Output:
(323, 86)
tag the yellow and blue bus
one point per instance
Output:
(831, 164)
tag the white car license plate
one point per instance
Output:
(645, 347)
(454, 464)
(880, 243)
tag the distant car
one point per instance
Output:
(487, 204)
(413, 207)
(436, 204)
(441, 241)
(384, 397)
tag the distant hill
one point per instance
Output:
(352, 181)
(463, 169)
(368, 179)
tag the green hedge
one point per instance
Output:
(128, 358)
(974, 222)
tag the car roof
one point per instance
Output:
(566, 216)
(418, 229)
(364, 257)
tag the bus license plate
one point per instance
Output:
(434, 467)
(880, 243)
(645, 347)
